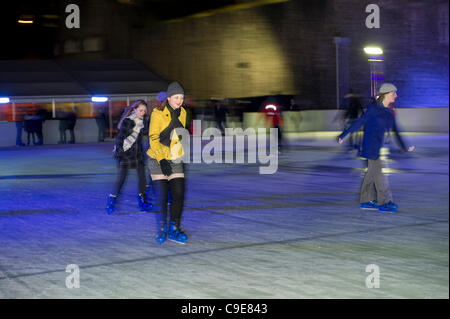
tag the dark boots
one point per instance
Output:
(144, 205)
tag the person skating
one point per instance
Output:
(129, 153)
(165, 148)
(377, 120)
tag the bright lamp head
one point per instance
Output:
(373, 50)
(99, 99)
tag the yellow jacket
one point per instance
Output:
(158, 122)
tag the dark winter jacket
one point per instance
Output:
(377, 121)
(136, 153)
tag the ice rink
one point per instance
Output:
(298, 233)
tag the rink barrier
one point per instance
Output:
(432, 120)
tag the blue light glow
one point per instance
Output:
(99, 99)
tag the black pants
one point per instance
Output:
(176, 186)
(19, 126)
(122, 175)
(32, 135)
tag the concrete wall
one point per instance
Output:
(281, 48)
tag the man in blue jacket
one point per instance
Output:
(377, 120)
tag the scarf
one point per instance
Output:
(164, 136)
(130, 139)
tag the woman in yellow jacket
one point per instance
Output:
(165, 147)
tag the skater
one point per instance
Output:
(377, 120)
(352, 111)
(271, 110)
(166, 147)
(129, 153)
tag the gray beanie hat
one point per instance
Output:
(386, 88)
(174, 88)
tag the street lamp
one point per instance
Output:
(373, 50)
(376, 67)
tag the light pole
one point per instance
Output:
(376, 67)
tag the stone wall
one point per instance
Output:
(285, 48)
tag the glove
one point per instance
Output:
(117, 152)
(165, 167)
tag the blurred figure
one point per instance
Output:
(67, 122)
(352, 110)
(377, 120)
(33, 127)
(72, 121)
(220, 115)
(270, 109)
(100, 119)
(63, 124)
(297, 116)
(129, 153)
(293, 106)
(41, 116)
(20, 125)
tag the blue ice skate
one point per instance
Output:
(176, 234)
(369, 205)
(144, 205)
(110, 205)
(388, 207)
(162, 234)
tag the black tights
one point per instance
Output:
(122, 175)
(176, 186)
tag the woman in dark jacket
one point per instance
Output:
(377, 120)
(128, 150)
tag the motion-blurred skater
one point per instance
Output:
(352, 110)
(377, 120)
(129, 153)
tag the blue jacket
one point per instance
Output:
(377, 121)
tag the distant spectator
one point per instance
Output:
(33, 127)
(220, 116)
(67, 122)
(100, 119)
(20, 124)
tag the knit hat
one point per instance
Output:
(162, 96)
(174, 88)
(386, 88)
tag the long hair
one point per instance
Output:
(380, 97)
(163, 105)
(130, 109)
